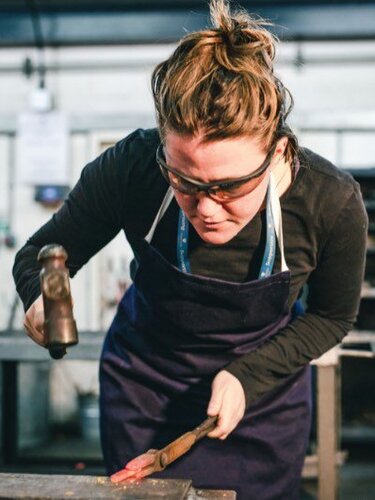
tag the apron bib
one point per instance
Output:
(172, 333)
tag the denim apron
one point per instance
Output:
(172, 333)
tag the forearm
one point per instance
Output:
(333, 300)
(303, 340)
(26, 267)
(26, 274)
(76, 227)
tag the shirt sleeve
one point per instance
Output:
(332, 306)
(89, 218)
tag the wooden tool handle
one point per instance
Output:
(176, 449)
(183, 444)
(205, 427)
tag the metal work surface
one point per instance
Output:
(58, 487)
(17, 346)
(211, 494)
(38, 486)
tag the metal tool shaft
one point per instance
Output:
(157, 460)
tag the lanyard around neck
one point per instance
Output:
(274, 225)
(270, 249)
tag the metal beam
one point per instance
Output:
(144, 24)
(29, 67)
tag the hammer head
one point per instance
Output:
(59, 325)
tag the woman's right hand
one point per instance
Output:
(34, 321)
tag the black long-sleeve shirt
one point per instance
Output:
(325, 227)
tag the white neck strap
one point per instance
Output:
(276, 213)
(277, 219)
(163, 208)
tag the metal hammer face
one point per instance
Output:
(59, 325)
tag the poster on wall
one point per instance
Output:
(42, 148)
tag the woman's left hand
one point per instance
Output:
(228, 402)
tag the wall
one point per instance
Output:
(103, 104)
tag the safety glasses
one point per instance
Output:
(220, 191)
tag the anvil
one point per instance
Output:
(58, 487)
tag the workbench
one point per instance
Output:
(16, 347)
(62, 487)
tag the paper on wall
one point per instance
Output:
(42, 148)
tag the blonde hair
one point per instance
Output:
(220, 82)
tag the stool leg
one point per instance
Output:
(9, 412)
(329, 423)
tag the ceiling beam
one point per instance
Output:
(293, 22)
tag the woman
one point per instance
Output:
(228, 219)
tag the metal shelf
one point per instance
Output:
(358, 433)
(368, 293)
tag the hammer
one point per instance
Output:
(59, 325)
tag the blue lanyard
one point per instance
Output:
(183, 243)
(269, 252)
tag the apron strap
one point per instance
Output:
(163, 208)
(277, 218)
(274, 232)
(275, 210)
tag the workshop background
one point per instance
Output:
(74, 79)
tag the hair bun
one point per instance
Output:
(238, 34)
(220, 83)
(241, 34)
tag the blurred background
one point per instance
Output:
(74, 79)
